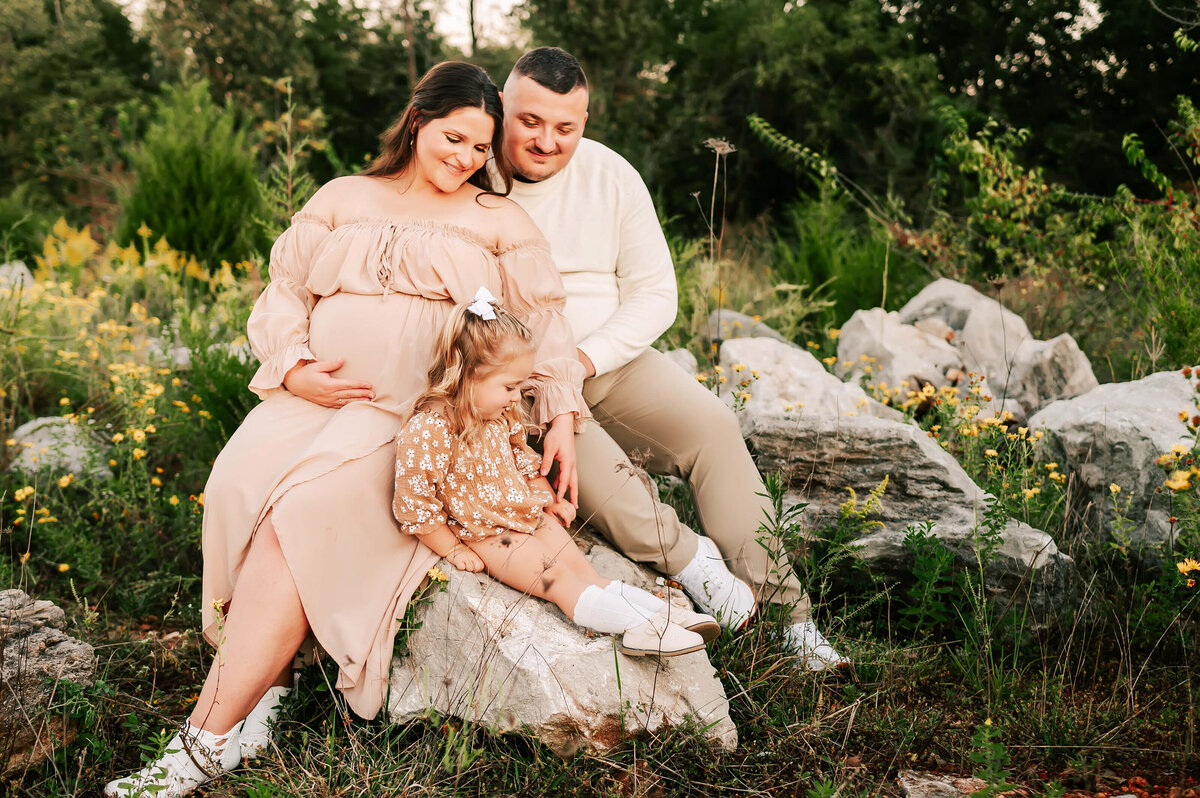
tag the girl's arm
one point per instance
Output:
(446, 544)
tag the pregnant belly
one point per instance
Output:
(386, 341)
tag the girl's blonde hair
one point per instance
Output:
(468, 348)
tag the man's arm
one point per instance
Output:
(645, 283)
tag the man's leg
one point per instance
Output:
(652, 405)
(614, 500)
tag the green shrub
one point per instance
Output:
(195, 179)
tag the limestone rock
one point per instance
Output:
(944, 299)
(820, 457)
(493, 656)
(724, 325)
(1112, 435)
(901, 352)
(1023, 373)
(684, 359)
(55, 443)
(37, 655)
(935, 785)
(15, 274)
(790, 377)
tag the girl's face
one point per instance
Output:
(497, 390)
(450, 149)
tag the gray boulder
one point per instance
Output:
(15, 274)
(499, 658)
(1023, 373)
(1112, 436)
(790, 382)
(54, 443)
(37, 657)
(821, 458)
(937, 785)
(684, 359)
(900, 352)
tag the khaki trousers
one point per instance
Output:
(651, 409)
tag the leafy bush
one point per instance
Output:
(195, 179)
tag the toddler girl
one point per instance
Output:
(468, 484)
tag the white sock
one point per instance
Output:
(642, 598)
(603, 612)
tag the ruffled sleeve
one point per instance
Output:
(529, 462)
(278, 326)
(422, 458)
(533, 290)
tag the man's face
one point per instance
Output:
(541, 128)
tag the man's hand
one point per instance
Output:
(562, 510)
(559, 445)
(588, 366)
(464, 558)
(313, 381)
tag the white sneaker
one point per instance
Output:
(704, 625)
(193, 757)
(803, 640)
(255, 734)
(715, 589)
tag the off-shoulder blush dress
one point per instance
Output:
(376, 292)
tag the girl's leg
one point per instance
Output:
(539, 565)
(559, 540)
(264, 628)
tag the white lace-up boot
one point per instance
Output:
(715, 589)
(255, 734)
(193, 757)
(803, 640)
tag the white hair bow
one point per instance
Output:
(482, 306)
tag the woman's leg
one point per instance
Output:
(263, 630)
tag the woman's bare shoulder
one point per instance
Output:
(341, 198)
(504, 220)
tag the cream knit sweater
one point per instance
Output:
(606, 241)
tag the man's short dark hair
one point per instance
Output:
(552, 67)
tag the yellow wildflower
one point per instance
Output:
(1188, 565)
(1180, 480)
(138, 454)
(48, 519)
(829, 361)
(156, 482)
(437, 574)
(834, 332)
(63, 567)
(1114, 488)
(118, 437)
(991, 453)
(739, 366)
(144, 230)
(24, 558)
(23, 493)
(173, 501)
(66, 480)
(1180, 448)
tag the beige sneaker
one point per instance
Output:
(658, 637)
(706, 626)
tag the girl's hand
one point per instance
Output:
(562, 510)
(559, 444)
(313, 381)
(464, 559)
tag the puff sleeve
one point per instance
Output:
(533, 290)
(529, 462)
(422, 457)
(278, 325)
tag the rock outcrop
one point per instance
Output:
(1112, 436)
(37, 656)
(493, 656)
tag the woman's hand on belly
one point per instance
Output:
(315, 382)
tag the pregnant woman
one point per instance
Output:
(299, 539)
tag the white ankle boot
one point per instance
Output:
(255, 734)
(715, 589)
(803, 640)
(193, 757)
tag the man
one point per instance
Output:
(621, 296)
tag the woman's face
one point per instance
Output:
(450, 149)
